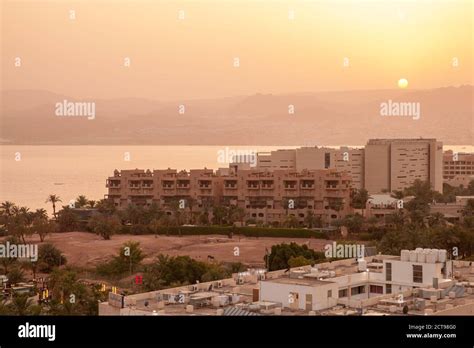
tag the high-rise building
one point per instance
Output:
(394, 164)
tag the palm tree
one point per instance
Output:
(7, 208)
(91, 203)
(81, 201)
(31, 266)
(5, 309)
(191, 203)
(21, 304)
(41, 214)
(359, 199)
(53, 199)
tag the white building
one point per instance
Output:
(317, 289)
(300, 293)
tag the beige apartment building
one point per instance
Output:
(267, 197)
(344, 159)
(394, 164)
(458, 168)
(383, 165)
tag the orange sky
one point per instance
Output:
(193, 58)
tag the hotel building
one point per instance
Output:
(349, 160)
(458, 168)
(384, 165)
(394, 164)
(265, 196)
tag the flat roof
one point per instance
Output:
(299, 281)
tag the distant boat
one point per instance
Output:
(58, 183)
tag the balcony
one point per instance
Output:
(113, 184)
(253, 185)
(141, 192)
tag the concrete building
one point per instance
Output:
(267, 197)
(394, 164)
(344, 159)
(451, 211)
(304, 293)
(383, 165)
(418, 282)
(458, 168)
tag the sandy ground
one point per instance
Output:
(87, 249)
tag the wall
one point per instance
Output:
(279, 292)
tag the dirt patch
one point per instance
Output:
(87, 249)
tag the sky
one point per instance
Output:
(280, 46)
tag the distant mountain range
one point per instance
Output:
(330, 118)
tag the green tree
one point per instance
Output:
(291, 221)
(469, 208)
(67, 220)
(299, 261)
(312, 220)
(7, 262)
(219, 214)
(359, 199)
(281, 254)
(106, 207)
(130, 254)
(50, 257)
(81, 202)
(15, 275)
(22, 304)
(105, 226)
(43, 227)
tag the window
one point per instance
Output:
(343, 293)
(358, 290)
(376, 289)
(417, 273)
(388, 271)
(329, 293)
(388, 288)
(327, 160)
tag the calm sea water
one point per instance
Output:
(69, 171)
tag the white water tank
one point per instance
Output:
(362, 265)
(405, 255)
(420, 257)
(413, 256)
(418, 249)
(431, 257)
(435, 252)
(442, 255)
